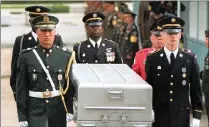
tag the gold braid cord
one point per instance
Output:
(63, 92)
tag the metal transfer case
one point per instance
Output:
(111, 95)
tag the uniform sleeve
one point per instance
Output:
(195, 90)
(75, 48)
(118, 56)
(15, 55)
(148, 69)
(22, 89)
(136, 65)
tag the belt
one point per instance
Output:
(46, 94)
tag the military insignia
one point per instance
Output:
(34, 76)
(184, 70)
(88, 46)
(108, 49)
(161, 55)
(159, 28)
(29, 38)
(173, 20)
(64, 49)
(159, 67)
(103, 44)
(46, 19)
(180, 55)
(83, 54)
(184, 75)
(59, 77)
(184, 82)
(94, 15)
(133, 39)
(38, 9)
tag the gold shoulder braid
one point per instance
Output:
(63, 92)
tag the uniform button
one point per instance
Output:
(47, 66)
(47, 78)
(50, 50)
(44, 50)
(47, 101)
(171, 92)
(171, 76)
(171, 83)
(47, 55)
(158, 74)
(83, 60)
(171, 100)
(96, 61)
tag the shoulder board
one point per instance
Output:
(26, 50)
(187, 51)
(64, 49)
(22, 35)
(109, 40)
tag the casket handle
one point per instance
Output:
(88, 124)
(115, 94)
(140, 125)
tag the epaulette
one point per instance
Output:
(187, 51)
(64, 49)
(109, 40)
(22, 35)
(26, 50)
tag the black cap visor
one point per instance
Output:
(172, 31)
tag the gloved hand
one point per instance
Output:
(195, 123)
(70, 121)
(153, 116)
(23, 124)
(71, 124)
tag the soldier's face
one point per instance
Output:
(94, 31)
(171, 39)
(157, 42)
(46, 37)
(206, 41)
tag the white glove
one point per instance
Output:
(153, 116)
(69, 117)
(195, 123)
(23, 124)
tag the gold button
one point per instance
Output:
(171, 100)
(171, 92)
(171, 83)
(47, 101)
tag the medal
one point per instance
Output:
(59, 77)
(184, 82)
(184, 75)
(159, 67)
(183, 70)
(34, 76)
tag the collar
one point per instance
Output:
(34, 35)
(93, 42)
(168, 53)
(45, 50)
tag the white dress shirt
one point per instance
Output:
(168, 53)
(98, 42)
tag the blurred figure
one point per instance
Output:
(140, 58)
(110, 20)
(129, 45)
(28, 40)
(96, 49)
(93, 6)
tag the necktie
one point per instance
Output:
(172, 58)
(96, 47)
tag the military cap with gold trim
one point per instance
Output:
(171, 24)
(93, 19)
(129, 12)
(155, 29)
(46, 22)
(35, 11)
(207, 33)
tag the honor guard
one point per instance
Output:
(129, 45)
(28, 40)
(96, 49)
(140, 58)
(173, 74)
(205, 75)
(44, 89)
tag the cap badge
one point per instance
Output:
(173, 20)
(94, 15)
(159, 28)
(38, 9)
(46, 19)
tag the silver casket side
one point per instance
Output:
(111, 92)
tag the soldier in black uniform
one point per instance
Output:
(96, 49)
(44, 95)
(28, 40)
(173, 74)
(205, 75)
(129, 45)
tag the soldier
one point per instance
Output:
(173, 73)
(129, 45)
(110, 20)
(140, 58)
(44, 96)
(28, 40)
(205, 75)
(96, 49)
